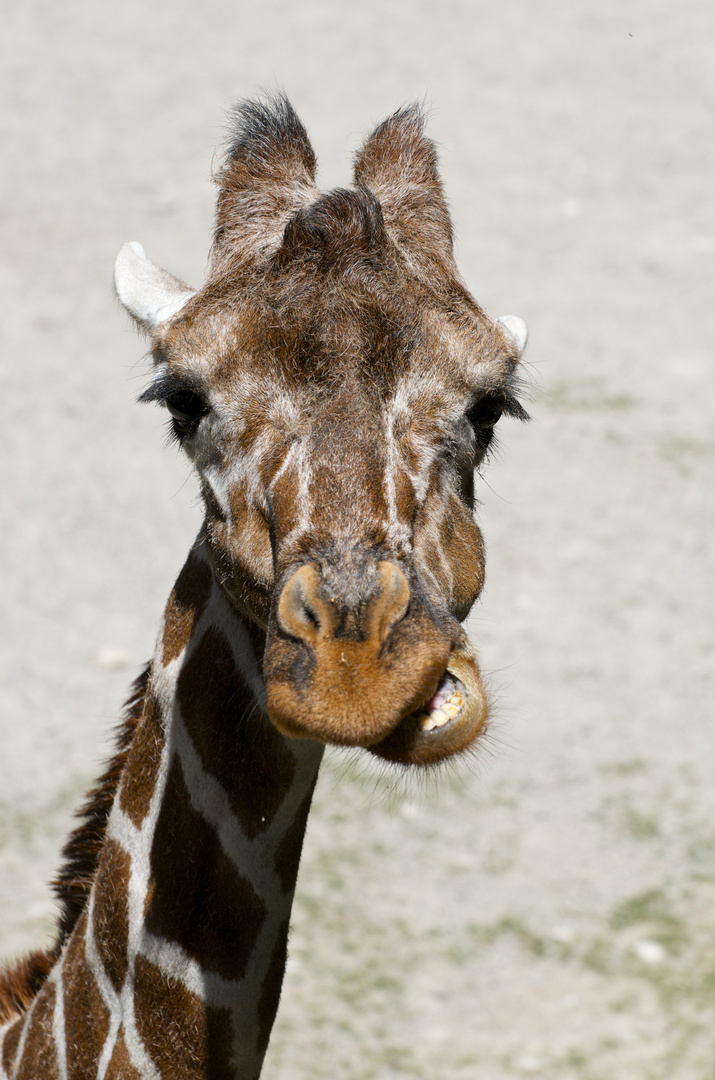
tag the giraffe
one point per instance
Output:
(335, 386)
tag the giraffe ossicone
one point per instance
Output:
(335, 386)
(517, 328)
(150, 295)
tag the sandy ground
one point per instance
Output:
(550, 910)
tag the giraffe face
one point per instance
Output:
(336, 387)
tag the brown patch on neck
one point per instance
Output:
(185, 606)
(184, 1037)
(236, 743)
(86, 1015)
(10, 1044)
(196, 896)
(120, 1067)
(39, 1057)
(111, 911)
(142, 764)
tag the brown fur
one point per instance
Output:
(399, 165)
(111, 919)
(10, 1043)
(20, 984)
(142, 763)
(186, 604)
(82, 1000)
(39, 1058)
(288, 852)
(175, 1025)
(120, 1066)
(268, 173)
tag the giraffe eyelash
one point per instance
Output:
(486, 411)
(168, 384)
(186, 406)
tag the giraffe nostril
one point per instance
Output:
(391, 605)
(305, 613)
(309, 616)
(301, 612)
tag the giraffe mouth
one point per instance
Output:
(447, 723)
(445, 705)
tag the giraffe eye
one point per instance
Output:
(186, 410)
(484, 415)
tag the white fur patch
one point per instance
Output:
(58, 1019)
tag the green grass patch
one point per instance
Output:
(653, 910)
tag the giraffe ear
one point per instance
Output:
(149, 294)
(516, 329)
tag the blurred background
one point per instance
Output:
(547, 910)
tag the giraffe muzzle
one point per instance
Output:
(371, 668)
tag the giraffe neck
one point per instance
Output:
(176, 964)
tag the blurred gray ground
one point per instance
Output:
(549, 910)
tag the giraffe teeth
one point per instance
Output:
(437, 718)
(426, 722)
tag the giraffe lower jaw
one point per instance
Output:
(447, 724)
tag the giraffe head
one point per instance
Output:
(336, 386)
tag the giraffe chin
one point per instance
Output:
(444, 720)
(448, 724)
